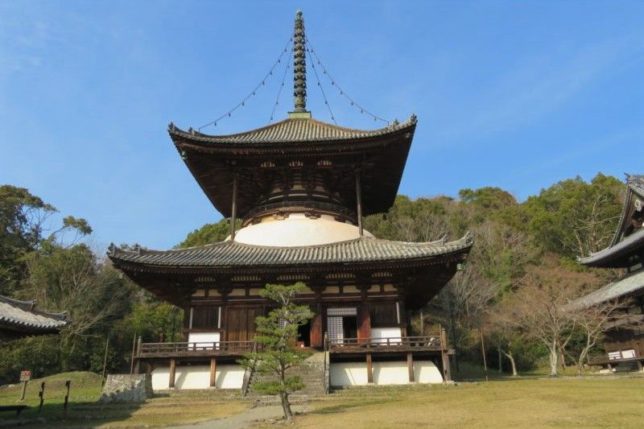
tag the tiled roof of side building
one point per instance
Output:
(293, 130)
(630, 285)
(229, 254)
(23, 316)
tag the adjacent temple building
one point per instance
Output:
(301, 188)
(624, 341)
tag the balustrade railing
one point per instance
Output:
(194, 348)
(429, 343)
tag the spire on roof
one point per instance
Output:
(299, 68)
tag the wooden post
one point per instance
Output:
(68, 384)
(359, 203)
(447, 375)
(173, 369)
(483, 353)
(107, 344)
(137, 361)
(233, 216)
(24, 390)
(410, 367)
(369, 369)
(213, 372)
(41, 394)
(133, 354)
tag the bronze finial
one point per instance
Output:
(299, 64)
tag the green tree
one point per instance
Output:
(574, 218)
(276, 336)
(21, 227)
(208, 234)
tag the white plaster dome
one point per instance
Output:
(297, 230)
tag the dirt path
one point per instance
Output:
(244, 419)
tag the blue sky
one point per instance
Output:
(512, 94)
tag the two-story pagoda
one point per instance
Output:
(624, 343)
(301, 188)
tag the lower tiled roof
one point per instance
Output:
(228, 254)
(22, 316)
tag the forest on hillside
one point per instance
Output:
(510, 296)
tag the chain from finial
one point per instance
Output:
(299, 64)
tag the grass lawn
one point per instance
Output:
(84, 411)
(593, 402)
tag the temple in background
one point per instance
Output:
(624, 341)
(301, 188)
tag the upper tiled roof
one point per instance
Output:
(22, 316)
(292, 130)
(229, 254)
(625, 241)
(636, 183)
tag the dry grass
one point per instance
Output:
(593, 402)
(596, 402)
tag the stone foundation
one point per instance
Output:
(126, 388)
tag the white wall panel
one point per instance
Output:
(198, 377)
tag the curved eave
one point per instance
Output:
(617, 256)
(229, 257)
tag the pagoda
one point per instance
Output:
(300, 188)
(624, 342)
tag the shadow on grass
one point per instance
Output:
(79, 414)
(83, 408)
(339, 408)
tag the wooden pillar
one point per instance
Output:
(410, 367)
(213, 371)
(233, 216)
(173, 370)
(447, 375)
(364, 323)
(369, 369)
(359, 203)
(316, 329)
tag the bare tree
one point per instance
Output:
(538, 308)
(592, 321)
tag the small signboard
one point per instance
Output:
(25, 375)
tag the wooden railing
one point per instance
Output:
(389, 344)
(201, 349)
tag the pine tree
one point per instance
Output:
(276, 338)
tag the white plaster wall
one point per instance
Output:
(198, 377)
(207, 338)
(298, 230)
(394, 334)
(384, 373)
(348, 374)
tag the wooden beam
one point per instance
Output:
(369, 369)
(173, 370)
(233, 216)
(213, 371)
(359, 203)
(410, 367)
